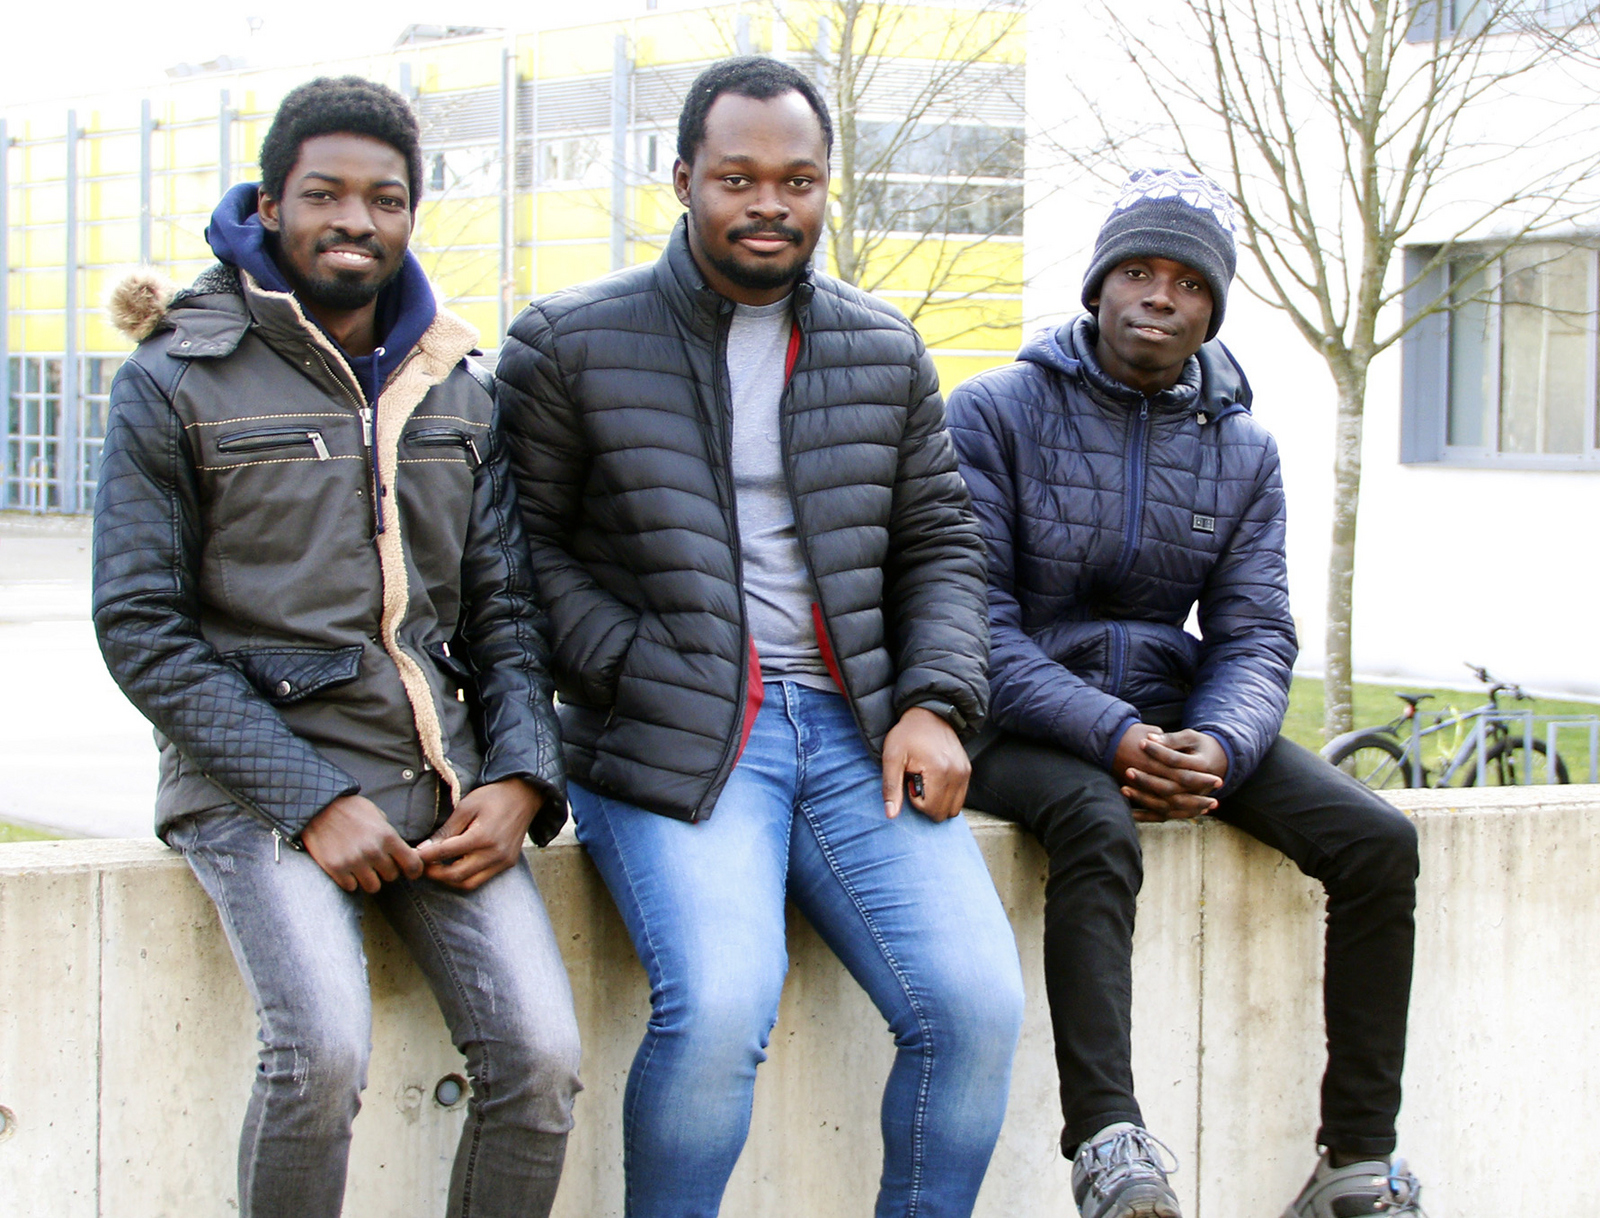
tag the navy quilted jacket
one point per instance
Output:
(1108, 515)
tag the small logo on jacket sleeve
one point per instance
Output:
(1204, 524)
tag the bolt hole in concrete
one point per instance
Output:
(447, 1093)
(8, 1123)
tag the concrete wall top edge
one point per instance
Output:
(107, 854)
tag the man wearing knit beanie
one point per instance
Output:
(1121, 482)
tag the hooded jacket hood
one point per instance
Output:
(1211, 383)
(406, 306)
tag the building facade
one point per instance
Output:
(548, 157)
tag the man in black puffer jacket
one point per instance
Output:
(766, 592)
(1120, 482)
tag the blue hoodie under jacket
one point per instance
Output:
(1108, 515)
(406, 307)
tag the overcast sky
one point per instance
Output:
(63, 48)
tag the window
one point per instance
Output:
(575, 160)
(32, 470)
(931, 177)
(1507, 376)
(1447, 18)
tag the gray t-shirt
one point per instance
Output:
(777, 589)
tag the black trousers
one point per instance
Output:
(1335, 830)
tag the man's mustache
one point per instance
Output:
(767, 230)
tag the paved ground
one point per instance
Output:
(74, 755)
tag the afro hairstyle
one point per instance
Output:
(343, 105)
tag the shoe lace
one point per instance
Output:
(1404, 1192)
(1124, 1152)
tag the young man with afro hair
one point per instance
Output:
(309, 575)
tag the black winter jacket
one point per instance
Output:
(287, 651)
(1108, 515)
(616, 405)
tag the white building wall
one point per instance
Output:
(1496, 567)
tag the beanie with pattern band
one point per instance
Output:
(1170, 213)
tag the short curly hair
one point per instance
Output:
(339, 105)
(756, 76)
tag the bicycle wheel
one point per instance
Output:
(1505, 762)
(1374, 760)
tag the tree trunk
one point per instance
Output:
(1352, 386)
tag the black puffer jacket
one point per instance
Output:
(1109, 515)
(288, 650)
(616, 404)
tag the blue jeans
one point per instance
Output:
(491, 959)
(908, 906)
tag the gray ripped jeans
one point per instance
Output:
(491, 959)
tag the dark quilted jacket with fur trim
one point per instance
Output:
(1108, 516)
(288, 650)
(616, 407)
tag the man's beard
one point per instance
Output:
(762, 276)
(343, 291)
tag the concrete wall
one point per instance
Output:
(126, 1043)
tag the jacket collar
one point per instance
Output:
(695, 302)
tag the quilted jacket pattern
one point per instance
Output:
(1108, 516)
(286, 649)
(616, 407)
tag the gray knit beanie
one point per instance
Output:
(1170, 213)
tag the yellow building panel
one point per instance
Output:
(449, 67)
(35, 292)
(483, 316)
(100, 335)
(953, 369)
(655, 209)
(111, 200)
(570, 214)
(46, 333)
(111, 243)
(917, 32)
(46, 205)
(458, 274)
(950, 265)
(44, 247)
(561, 266)
(579, 51)
(694, 36)
(958, 323)
(111, 153)
(446, 222)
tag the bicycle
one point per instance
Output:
(1491, 746)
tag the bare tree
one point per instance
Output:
(1340, 127)
(923, 178)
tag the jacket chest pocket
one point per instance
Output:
(443, 443)
(277, 440)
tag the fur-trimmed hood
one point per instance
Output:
(139, 305)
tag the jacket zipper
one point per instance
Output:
(266, 438)
(805, 553)
(722, 400)
(444, 437)
(1133, 499)
(1119, 657)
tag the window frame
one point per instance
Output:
(1426, 374)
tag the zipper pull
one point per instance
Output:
(317, 443)
(1144, 410)
(472, 444)
(277, 846)
(366, 426)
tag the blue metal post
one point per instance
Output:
(69, 472)
(621, 89)
(147, 128)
